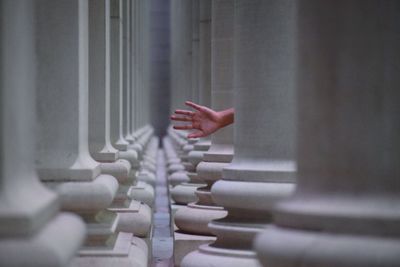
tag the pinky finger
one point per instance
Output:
(196, 135)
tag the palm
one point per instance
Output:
(204, 120)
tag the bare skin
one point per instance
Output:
(203, 120)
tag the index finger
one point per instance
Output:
(195, 106)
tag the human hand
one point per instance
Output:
(204, 120)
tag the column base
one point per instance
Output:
(93, 195)
(55, 245)
(147, 165)
(128, 251)
(135, 219)
(207, 255)
(194, 219)
(151, 158)
(138, 148)
(148, 240)
(293, 247)
(174, 208)
(142, 192)
(186, 243)
(178, 178)
(147, 177)
(131, 156)
(120, 169)
(185, 193)
(175, 167)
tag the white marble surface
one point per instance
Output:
(345, 209)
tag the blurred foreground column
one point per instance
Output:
(64, 162)
(345, 211)
(32, 232)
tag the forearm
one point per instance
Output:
(227, 116)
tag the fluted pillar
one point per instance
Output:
(32, 231)
(345, 209)
(262, 170)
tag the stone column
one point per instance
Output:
(205, 53)
(173, 56)
(140, 42)
(146, 61)
(134, 66)
(194, 218)
(137, 131)
(145, 144)
(136, 97)
(195, 50)
(126, 71)
(177, 98)
(196, 148)
(201, 89)
(117, 82)
(262, 170)
(182, 74)
(134, 216)
(118, 91)
(345, 209)
(64, 162)
(140, 191)
(202, 72)
(181, 52)
(116, 85)
(139, 90)
(32, 231)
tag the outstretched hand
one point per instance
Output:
(204, 120)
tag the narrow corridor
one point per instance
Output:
(162, 234)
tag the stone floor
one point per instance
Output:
(162, 236)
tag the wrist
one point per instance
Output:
(226, 117)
